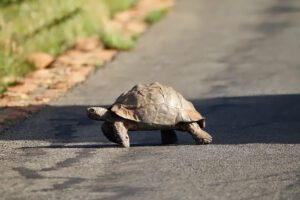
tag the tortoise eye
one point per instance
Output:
(91, 110)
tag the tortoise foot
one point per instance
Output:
(125, 144)
(205, 140)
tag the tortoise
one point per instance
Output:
(150, 107)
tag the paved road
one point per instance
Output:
(237, 61)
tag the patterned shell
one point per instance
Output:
(155, 104)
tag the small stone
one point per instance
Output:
(15, 96)
(40, 60)
(113, 25)
(163, 4)
(104, 55)
(8, 79)
(42, 99)
(87, 44)
(59, 87)
(136, 27)
(123, 16)
(79, 75)
(22, 88)
(40, 74)
(74, 58)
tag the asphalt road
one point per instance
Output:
(237, 61)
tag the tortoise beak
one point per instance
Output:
(91, 113)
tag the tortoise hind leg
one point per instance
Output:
(168, 137)
(199, 135)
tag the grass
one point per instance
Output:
(51, 26)
(116, 40)
(155, 15)
(116, 6)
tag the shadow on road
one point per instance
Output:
(233, 120)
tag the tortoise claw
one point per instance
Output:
(207, 140)
(125, 144)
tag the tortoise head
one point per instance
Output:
(97, 113)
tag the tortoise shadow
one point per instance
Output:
(98, 146)
(230, 120)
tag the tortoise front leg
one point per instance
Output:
(108, 131)
(122, 133)
(168, 137)
(199, 135)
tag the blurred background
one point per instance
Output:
(52, 27)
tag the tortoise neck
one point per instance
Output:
(110, 116)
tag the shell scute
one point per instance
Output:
(155, 104)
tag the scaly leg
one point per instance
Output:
(168, 137)
(108, 131)
(121, 132)
(199, 135)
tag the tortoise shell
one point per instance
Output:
(155, 104)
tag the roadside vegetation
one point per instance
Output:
(117, 40)
(155, 15)
(52, 27)
(116, 6)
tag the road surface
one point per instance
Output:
(237, 61)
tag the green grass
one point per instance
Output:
(115, 6)
(155, 15)
(116, 40)
(50, 26)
